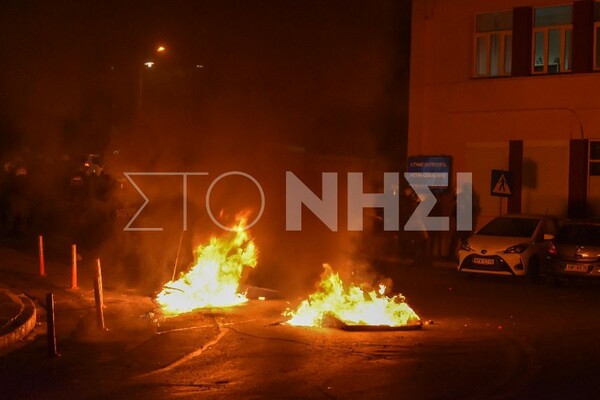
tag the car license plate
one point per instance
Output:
(483, 261)
(576, 268)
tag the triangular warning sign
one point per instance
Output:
(502, 186)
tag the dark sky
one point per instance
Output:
(326, 76)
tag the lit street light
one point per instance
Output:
(149, 64)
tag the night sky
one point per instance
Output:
(328, 77)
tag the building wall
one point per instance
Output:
(452, 113)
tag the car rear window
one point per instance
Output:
(582, 234)
(507, 226)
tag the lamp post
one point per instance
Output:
(148, 64)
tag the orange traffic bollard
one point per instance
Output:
(74, 266)
(51, 329)
(99, 297)
(41, 251)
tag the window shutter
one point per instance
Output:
(522, 31)
(583, 36)
(578, 177)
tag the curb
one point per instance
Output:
(22, 324)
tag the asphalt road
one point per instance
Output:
(483, 338)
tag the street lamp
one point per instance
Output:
(148, 64)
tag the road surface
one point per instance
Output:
(483, 338)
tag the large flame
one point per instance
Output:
(351, 305)
(215, 277)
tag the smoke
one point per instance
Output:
(261, 87)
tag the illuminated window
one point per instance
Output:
(552, 39)
(597, 36)
(493, 44)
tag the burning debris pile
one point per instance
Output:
(351, 306)
(214, 279)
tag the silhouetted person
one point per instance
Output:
(419, 238)
(4, 190)
(458, 237)
(18, 200)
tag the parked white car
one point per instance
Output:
(509, 245)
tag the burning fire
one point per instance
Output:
(214, 279)
(351, 305)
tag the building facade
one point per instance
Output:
(511, 85)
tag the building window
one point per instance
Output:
(597, 36)
(594, 158)
(552, 39)
(493, 44)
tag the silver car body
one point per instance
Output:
(575, 253)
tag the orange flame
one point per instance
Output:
(214, 279)
(351, 305)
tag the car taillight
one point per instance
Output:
(519, 248)
(552, 250)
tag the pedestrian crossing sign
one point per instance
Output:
(501, 183)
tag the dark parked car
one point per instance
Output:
(575, 251)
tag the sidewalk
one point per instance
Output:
(17, 317)
(23, 296)
(23, 291)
